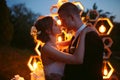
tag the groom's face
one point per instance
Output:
(55, 28)
(66, 21)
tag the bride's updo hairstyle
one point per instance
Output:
(44, 24)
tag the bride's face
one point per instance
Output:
(55, 29)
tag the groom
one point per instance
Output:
(91, 65)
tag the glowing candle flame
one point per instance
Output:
(59, 38)
(59, 22)
(34, 65)
(105, 71)
(102, 29)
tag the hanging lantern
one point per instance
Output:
(107, 53)
(103, 26)
(36, 67)
(107, 69)
(34, 62)
(92, 15)
(107, 41)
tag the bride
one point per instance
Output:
(55, 60)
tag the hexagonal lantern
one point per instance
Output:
(103, 26)
(36, 67)
(79, 5)
(107, 53)
(107, 69)
(92, 15)
(107, 41)
(35, 63)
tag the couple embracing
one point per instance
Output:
(85, 56)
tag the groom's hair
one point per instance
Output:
(69, 8)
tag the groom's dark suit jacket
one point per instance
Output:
(91, 69)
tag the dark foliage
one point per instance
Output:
(22, 19)
(6, 28)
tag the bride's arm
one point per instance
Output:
(53, 53)
(76, 58)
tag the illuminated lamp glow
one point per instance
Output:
(102, 29)
(107, 74)
(34, 63)
(110, 27)
(59, 22)
(105, 71)
(59, 39)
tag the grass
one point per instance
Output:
(13, 61)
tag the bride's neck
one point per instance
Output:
(52, 39)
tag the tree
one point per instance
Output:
(102, 13)
(6, 27)
(22, 19)
(115, 35)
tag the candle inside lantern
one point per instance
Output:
(34, 65)
(59, 39)
(105, 71)
(102, 29)
(59, 22)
